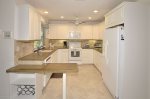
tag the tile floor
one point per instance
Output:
(86, 84)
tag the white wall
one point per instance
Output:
(147, 2)
(149, 56)
(7, 11)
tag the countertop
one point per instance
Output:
(36, 56)
(43, 55)
(45, 68)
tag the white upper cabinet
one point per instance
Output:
(115, 17)
(59, 31)
(98, 30)
(28, 23)
(85, 30)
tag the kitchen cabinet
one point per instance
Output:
(86, 31)
(115, 17)
(63, 55)
(28, 23)
(59, 31)
(98, 60)
(98, 30)
(87, 56)
(54, 57)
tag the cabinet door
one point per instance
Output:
(54, 57)
(27, 23)
(31, 24)
(86, 31)
(62, 31)
(98, 58)
(87, 56)
(52, 31)
(63, 55)
(59, 31)
(115, 17)
(98, 30)
(37, 26)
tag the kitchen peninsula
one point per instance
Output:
(45, 69)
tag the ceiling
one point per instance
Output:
(74, 9)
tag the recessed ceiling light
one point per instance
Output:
(62, 17)
(46, 12)
(89, 18)
(95, 11)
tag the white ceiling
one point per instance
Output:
(71, 9)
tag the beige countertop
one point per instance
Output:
(43, 55)
(45, 68)
(39, 56)
(36, 56)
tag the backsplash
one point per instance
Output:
(22, 49)
(84, 43)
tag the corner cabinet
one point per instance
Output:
(28, 23)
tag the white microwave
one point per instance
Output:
(74, 35)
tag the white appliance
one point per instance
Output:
(74, 35)
(74, 52)
(113, 52)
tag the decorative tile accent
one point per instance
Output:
(26, 89)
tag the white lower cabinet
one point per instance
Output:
(63, 55)
(87, 56)
(98, 59)
(54, 57)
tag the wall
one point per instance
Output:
(7, 23)
(22, 49)
(149, 56)
(147, 2)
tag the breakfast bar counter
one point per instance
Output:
(47, 68)
(44, 68)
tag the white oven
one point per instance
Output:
(75, 54)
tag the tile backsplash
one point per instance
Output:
(22, 49)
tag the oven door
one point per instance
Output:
(74, 55)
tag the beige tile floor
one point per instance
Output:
(86, 84)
